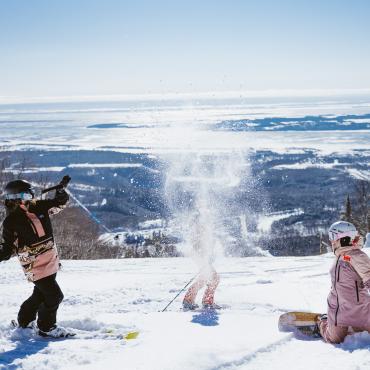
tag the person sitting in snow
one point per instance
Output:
(349, 297)
(27, 233)
(203, 251)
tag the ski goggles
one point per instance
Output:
(333, 236)
(22, 196)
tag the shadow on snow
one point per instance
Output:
(206, 318)
(23, 349)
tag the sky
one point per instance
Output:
(108, 47)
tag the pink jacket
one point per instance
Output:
(349, 299)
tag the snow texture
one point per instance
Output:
(106, 299)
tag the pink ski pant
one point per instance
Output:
(211, 280)
(336, 334)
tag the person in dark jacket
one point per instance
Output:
(27, 233)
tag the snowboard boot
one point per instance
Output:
(56, 332)
(189, 306)
(313, 330)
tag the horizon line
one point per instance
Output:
(218, 95)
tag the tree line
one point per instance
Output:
(357, 207)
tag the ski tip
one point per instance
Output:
(132, 335)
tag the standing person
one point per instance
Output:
(349, 297)
(203, 250)
(27, 233)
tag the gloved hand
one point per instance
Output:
(60, 193)
(65, 180)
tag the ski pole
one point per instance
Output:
(63, 184)
(328, 247)
(190, 281)
(94, 218)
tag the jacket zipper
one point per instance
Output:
(338, 273)
(358, 298)
(335, 287)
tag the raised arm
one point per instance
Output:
(61, 198)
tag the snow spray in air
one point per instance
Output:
(212, 197)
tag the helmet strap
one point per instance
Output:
(335, 245)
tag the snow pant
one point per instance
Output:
(43, 302)
(209, 278)
(332, 333)
(336, 334)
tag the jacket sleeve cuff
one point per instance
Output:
(61, 197)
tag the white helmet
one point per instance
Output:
(341, 229)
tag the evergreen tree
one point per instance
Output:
(358, 213)
(347, 213)
(363, 206)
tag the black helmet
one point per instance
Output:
(19, 189)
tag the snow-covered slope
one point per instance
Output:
(106, 298)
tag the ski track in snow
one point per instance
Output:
(250, 357)
(106, 299)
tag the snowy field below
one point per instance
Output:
(104, 299)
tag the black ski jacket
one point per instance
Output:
(21, 232)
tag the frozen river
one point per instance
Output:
(166, 126)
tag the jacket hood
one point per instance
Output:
(343, 250)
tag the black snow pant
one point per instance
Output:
(43, 302)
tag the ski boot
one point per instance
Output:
(56, 332)
(211, 306)
(189, 306)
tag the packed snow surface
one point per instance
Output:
(104, 299)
